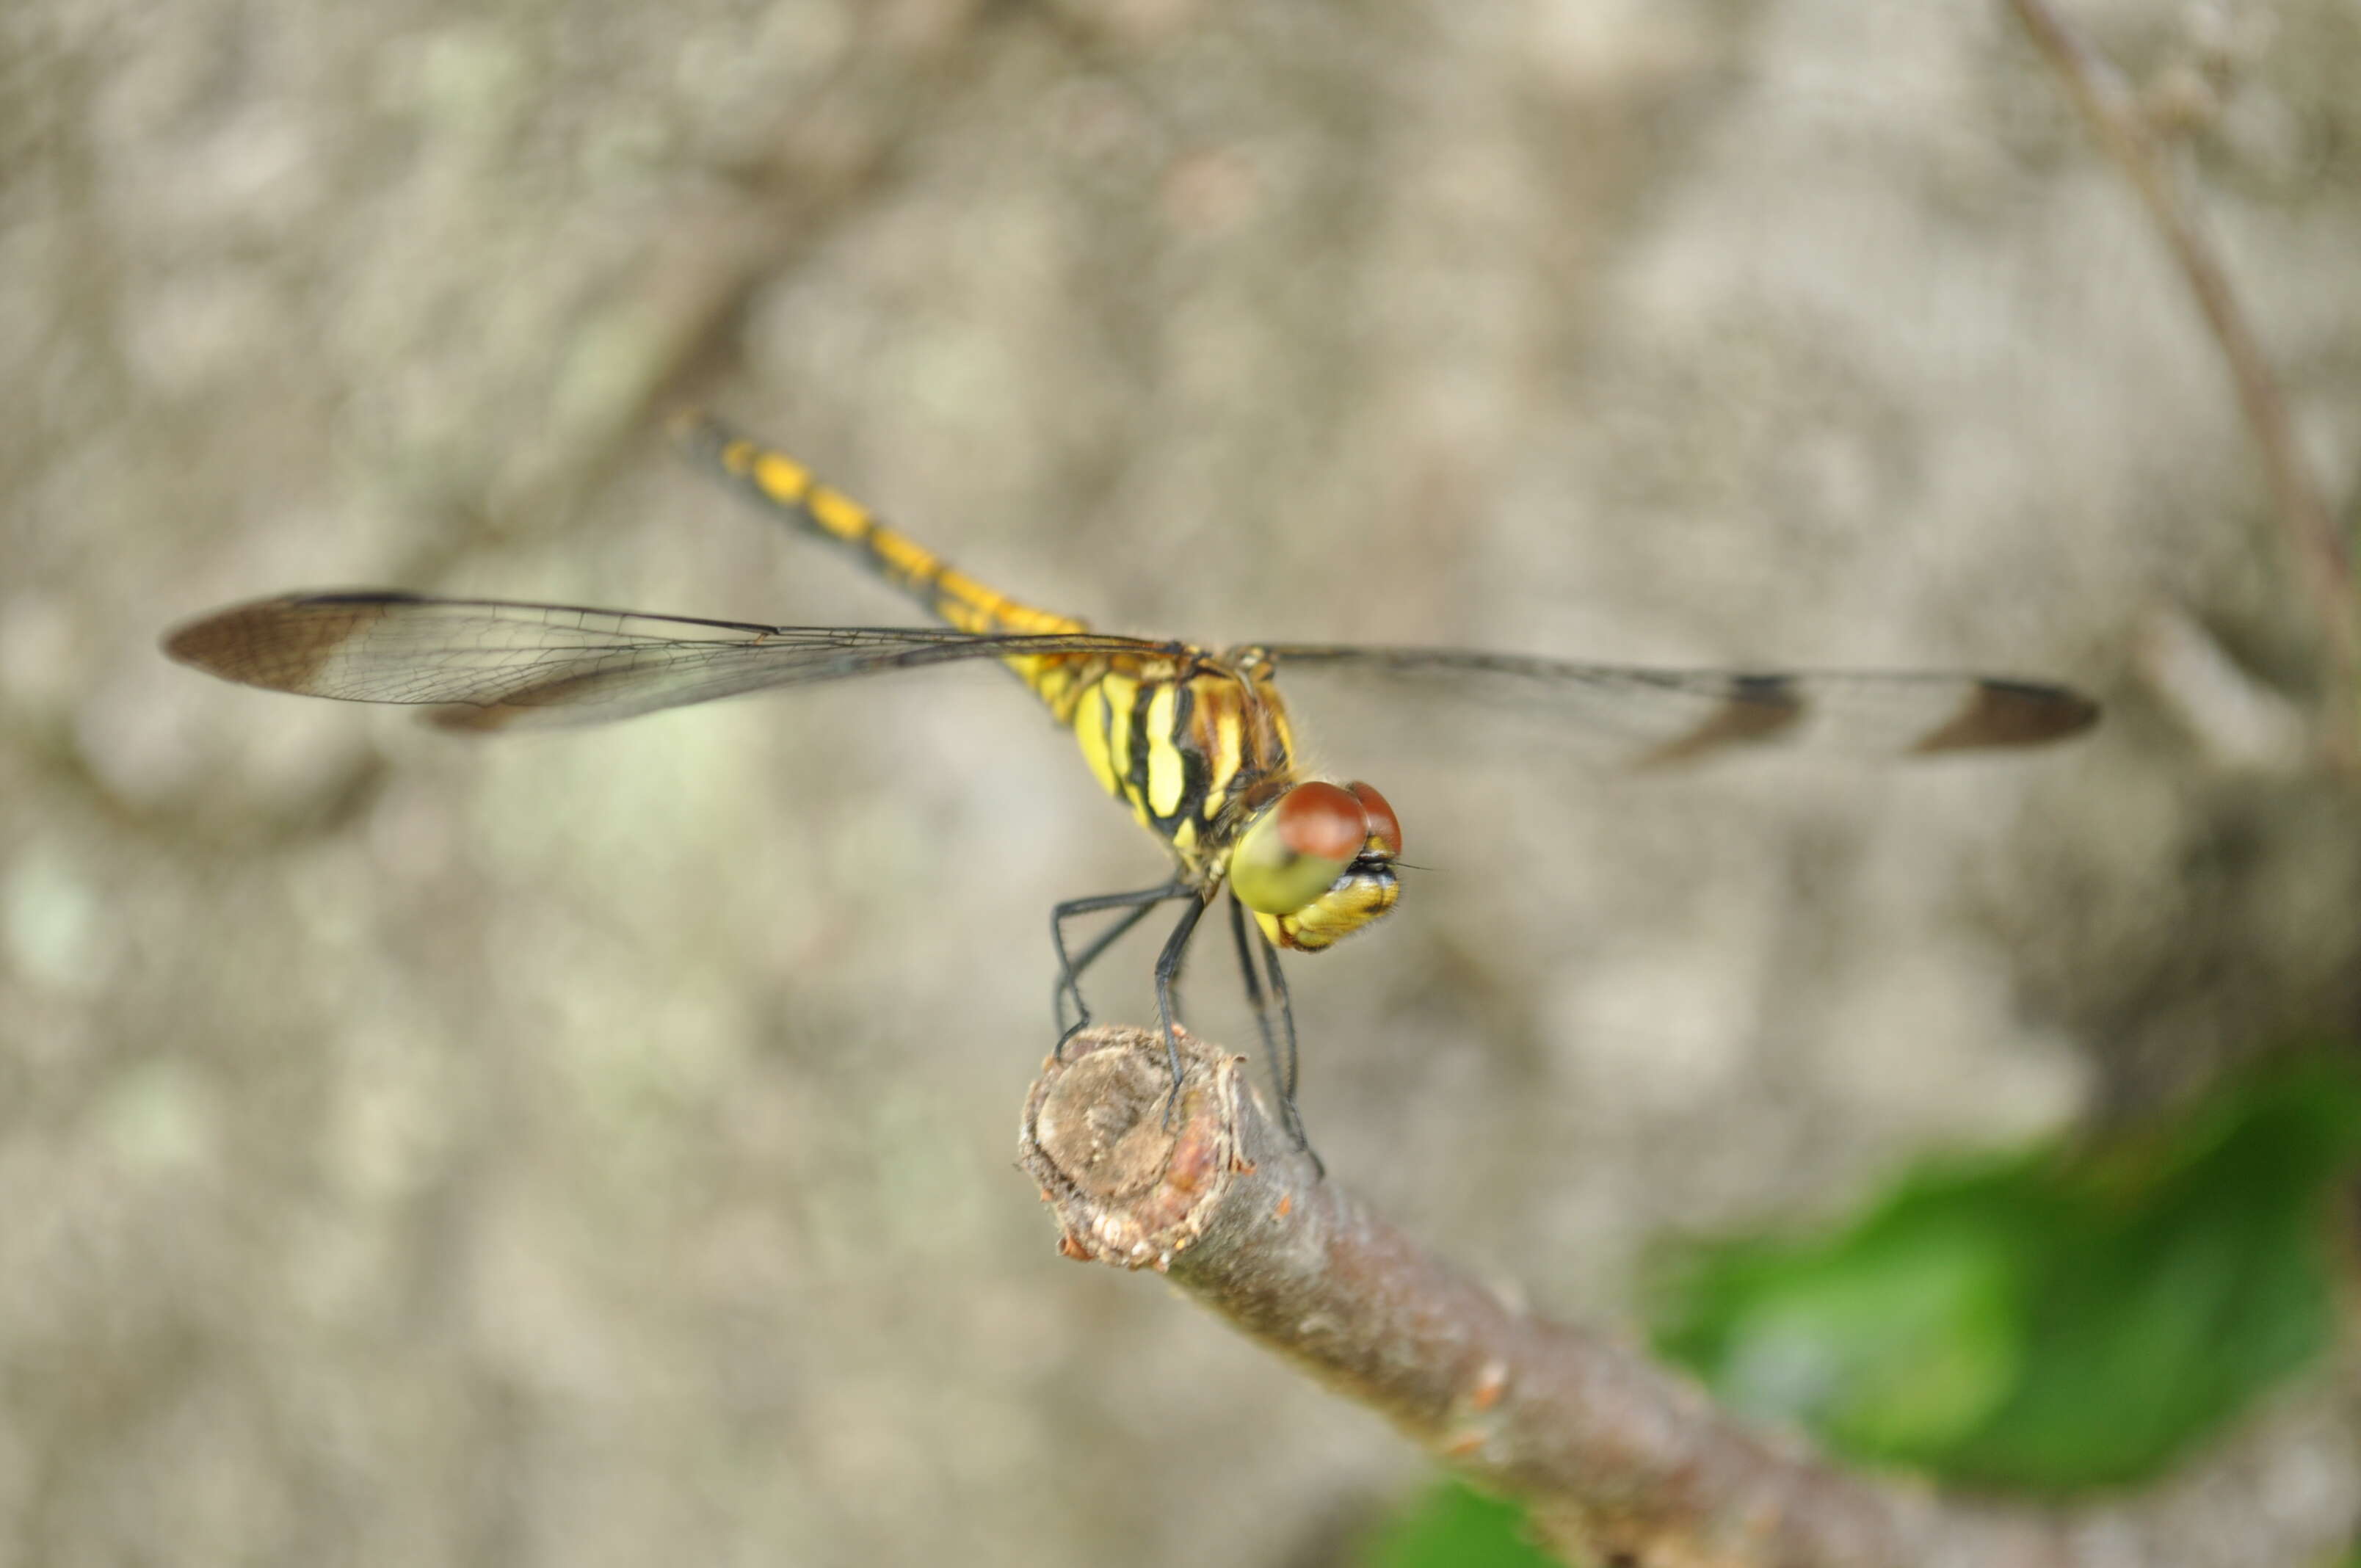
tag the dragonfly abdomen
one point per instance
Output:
(1178, 739)
(786, 487)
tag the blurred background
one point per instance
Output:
(597, 1148)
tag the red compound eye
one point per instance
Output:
(1384, 826)
(1322, 821)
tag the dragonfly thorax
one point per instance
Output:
(1317, 863)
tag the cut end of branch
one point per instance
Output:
(1135, 1169)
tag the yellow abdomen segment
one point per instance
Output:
(1179, 737)
(947, 594)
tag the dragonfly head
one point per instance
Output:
(1317, 863)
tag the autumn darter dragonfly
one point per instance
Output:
(1195, 741)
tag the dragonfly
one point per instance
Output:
(1196, 741)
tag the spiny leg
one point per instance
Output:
(1279, 1046)
(1167, 973)
(1070, 969)
(1254, 990)
(1070, 978)
(1286, 1021)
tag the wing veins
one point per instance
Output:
(508, 662)
(1668, 715)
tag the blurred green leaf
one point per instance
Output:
(2051, 1320)
(1454, 1526)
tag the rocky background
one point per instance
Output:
(597, 1149)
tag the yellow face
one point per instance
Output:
(1316, 864)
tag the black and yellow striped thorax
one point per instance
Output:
(1191, 740)
(1192, 746)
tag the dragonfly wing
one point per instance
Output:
(1646, 716)
(495, 665)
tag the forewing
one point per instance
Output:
(1634, 714)
(491, 664)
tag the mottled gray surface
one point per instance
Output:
(597, 1149)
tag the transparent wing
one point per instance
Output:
(1640, 716)
(502, 665)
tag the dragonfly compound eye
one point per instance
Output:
(1296, 849)
(1384, 826)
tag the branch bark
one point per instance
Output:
(1620, 1461)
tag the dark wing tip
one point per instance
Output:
(1757, 709)
(2012, 713)
(282, 643)
(189, 641)
(221, 643)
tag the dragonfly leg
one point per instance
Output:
(1254, 986)
(1168, 974)
(1070, 966)
(1278, 1045)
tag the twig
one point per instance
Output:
(1617, 1457)
(2322, 561)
